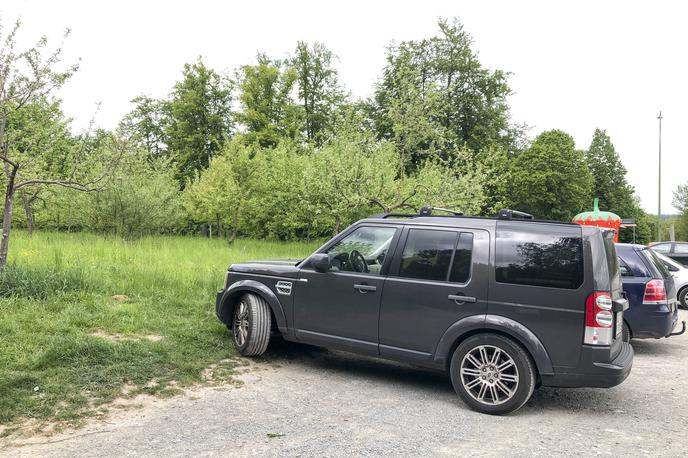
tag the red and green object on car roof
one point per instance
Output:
(600, 218)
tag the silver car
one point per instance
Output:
(680, 274)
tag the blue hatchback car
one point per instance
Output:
(651, 294)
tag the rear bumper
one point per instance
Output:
(652, 324)
(593, 371)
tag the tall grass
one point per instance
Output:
(67, 346)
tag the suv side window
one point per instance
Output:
(364, 250)
(551, 258)
(427, 254)
(437, 255)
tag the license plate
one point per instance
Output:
(619, 323)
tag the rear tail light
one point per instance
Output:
(599, 319)
(655, 293)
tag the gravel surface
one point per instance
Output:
(311, 402)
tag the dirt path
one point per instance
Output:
(321, 403)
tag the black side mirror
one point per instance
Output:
(320, 262)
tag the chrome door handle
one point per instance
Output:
(362, 288)
(460, 299)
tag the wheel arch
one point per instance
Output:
(628, 326)
(238, 289)
(678, 294)
(478, 324)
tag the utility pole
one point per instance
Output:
(659, 190)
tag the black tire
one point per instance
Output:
(683, 298)
(626, 333)
(251, 323)
(524, 372)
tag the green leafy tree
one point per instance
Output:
(551, 179)
(42, 127)
(219, 194)
(319, 93)
(199, 119)
(680, 202)
(141, 198)
(145, 125)
(609, 175)
(611, 187)
(268, 113)
(31, 129)
(456, 103)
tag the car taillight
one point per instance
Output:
(655, 293)
(599, 319)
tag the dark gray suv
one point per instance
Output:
(502, 304)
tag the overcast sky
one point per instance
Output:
(574, 67)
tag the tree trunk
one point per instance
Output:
(28, 208)
(7, 218)
(218, 221)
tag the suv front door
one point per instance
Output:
(438, 276)
(341, 307)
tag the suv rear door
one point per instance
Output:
(540, 281)
(437, 277)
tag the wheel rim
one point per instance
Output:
(241, 324)
(489, 375)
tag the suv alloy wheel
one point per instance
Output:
(492, 374)
(251, 325)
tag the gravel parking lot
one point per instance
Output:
(311, 402)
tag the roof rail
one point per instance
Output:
(425, 211)
(395, 215)
(506, 213)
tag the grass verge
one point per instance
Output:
(85, 319)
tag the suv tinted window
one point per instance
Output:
(550, 257)
(461, 267)
(427, 254)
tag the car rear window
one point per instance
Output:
(656, 263)
(550, 256)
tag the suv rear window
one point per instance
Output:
(550, 257)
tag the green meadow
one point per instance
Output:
(85, 319)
